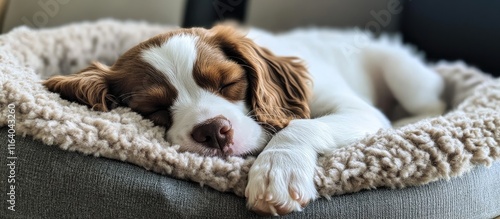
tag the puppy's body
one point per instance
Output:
(355, 78)
(375, 70)
(220, 93)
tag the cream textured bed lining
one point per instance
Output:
(429, 150)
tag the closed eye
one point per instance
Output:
(225, 86)
(153, 112)
(234, 90)
(159, 117)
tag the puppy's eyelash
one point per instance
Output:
(224, 86)
(153, 112)
(227, 85)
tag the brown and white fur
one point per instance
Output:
(286, 97)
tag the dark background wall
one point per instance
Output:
(455, 29)
(444, 30)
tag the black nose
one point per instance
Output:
(214, 133)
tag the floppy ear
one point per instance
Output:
(89, 87)
(279, 87)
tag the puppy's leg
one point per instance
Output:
(281, 178)
(413, 84)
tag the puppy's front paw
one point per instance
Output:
(280, 182)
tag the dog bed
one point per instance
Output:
(439, 148)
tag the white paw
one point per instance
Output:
(280, 182)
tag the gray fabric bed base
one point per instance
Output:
(51, 183)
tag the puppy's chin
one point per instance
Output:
(245, 143)
(232, 150)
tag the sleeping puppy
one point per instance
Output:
(286, 97)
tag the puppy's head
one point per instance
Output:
(215, 91)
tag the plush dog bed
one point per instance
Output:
(429, 150)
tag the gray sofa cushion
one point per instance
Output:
(52, 183)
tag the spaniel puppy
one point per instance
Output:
(285, 97)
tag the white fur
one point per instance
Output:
(350, 76)
(352, 72)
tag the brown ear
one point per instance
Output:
(279, 87)
(88, 87)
